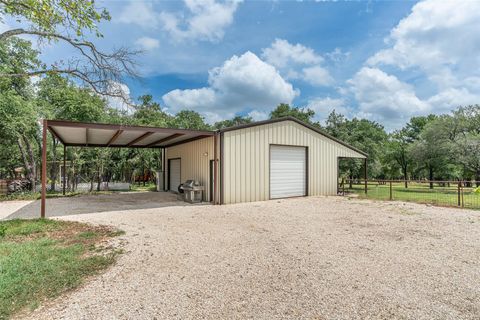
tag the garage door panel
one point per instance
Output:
(287, 171)
(174, 174)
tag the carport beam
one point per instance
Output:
(44, 168)
(64, 167)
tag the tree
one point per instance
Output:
(285, 110)
(18, 117)
(149, 113)
(236, 121)
(69, 22)
(432, 148)
(362, 134)
(189, 119)
(415, 126)
(397, 151)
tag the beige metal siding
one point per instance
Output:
(247, 159)
(195, 161)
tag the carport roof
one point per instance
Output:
(82, 134)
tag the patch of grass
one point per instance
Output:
(421, 193)
(150, 186)
(37, 195)
(40, 259)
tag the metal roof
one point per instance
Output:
(82, 134)
(290, 118)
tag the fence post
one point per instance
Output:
(458, 202)
(391, 190)
(343, 186)
(366, 176)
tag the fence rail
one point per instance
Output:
(463, 194)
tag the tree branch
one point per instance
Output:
(100, 71)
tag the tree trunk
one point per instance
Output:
(477, 178)
(405, 172)
(430, 172)
(25, 160)
(53, 168)
(33, 166)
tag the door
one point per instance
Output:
(212, 177)
(288, 171)
(173, 174)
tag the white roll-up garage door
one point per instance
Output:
(288, 171)
(174, 174)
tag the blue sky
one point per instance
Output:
(385, 61)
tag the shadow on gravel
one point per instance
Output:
(100, 203)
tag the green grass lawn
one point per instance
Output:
(419, 192)
(40, 259)
(149, 186)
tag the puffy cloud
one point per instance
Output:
(296, 61)
(384, 97)
(281, 54)
(117, 102)
(204, 98)
(317, 76)
(258, 115)
(438, 37)
(242, 82)
(324, 106)
(139, 13)
(148, 43)
(206, 20)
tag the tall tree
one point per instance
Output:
(397, 151)
(189, 119)
(18, 116)
(432, 148)
(70, 22)
(235, 121)
(284, 110)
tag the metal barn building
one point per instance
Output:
(264, 160)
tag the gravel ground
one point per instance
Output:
(303, 258)
(90, 204)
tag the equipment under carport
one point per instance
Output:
(193, 191)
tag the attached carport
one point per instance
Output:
(100, 135)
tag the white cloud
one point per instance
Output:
(337, 55)
(438, 38)
(147, 43)
(242, 82)
(205, 20)
(117, 102)
(385, 98)
(295, 61)
(190, 98)
(317, 76)
(324, 106)
(139, 13)
(441, 38)
(258, 115)
(281, 54)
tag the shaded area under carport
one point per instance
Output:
(120, 201)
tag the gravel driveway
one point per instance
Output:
(303, 258)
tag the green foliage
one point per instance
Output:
(236, 121)
(189, 119)
(50, 15)
(285, 110)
